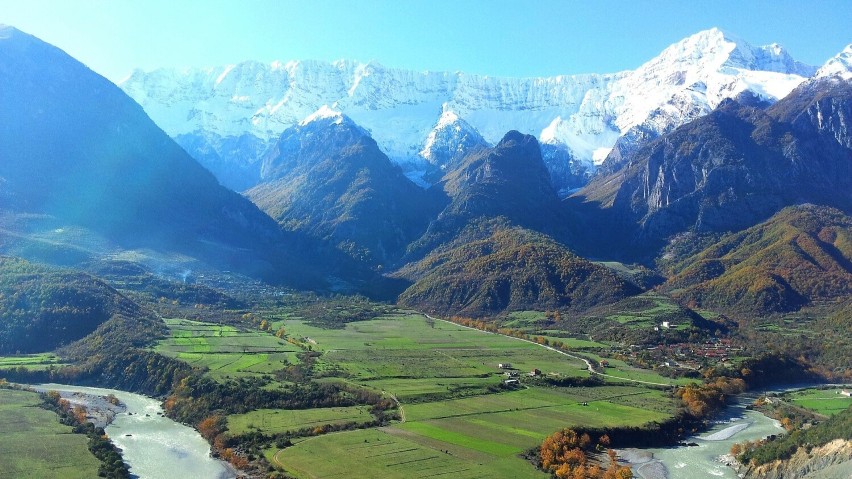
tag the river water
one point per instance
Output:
(154, 446)
(708, 459)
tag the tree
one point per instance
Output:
(563, 471)
(211, 426)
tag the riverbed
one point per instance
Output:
(152, 445)
(711, 456)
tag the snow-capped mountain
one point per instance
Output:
(840, 65)
(405, 110)
(449, 142)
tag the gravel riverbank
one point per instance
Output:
(100, 410)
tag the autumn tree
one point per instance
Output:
(211, 426)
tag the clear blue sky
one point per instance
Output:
(494, 37)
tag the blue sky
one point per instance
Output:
(494, 37)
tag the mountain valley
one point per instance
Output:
(409, 271)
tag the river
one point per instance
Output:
(708, 458)
(154, 446)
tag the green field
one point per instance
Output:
(393, 453)
(454, 425)
(225, 350)
(435, 357)
(521, 419)
(273, 421)
(471, 437)
(33, 444)
(648, 318)
(458, 421)
(822, 401)
(412, 389)
(571, 343)
(34, 362)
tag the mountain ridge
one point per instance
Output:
(585, 113)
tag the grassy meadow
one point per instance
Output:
(274, 421)
(822, 401)
(456, 417)
(225, 350)
(395, 453)
(35, 362)
(33, 444)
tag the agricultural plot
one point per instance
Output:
(553, 335)
(33, 443)
(523, 319)
(273, 421)
(480, 436)
(409, 389)
(441, 372)
(621, 369)
(408, 347)
(225, 350)
(648, 318)
(522, 419)
(35, 362)
(394, 454)
(822, 401)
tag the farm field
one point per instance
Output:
(394, 453)
(416, 389)
(408, 347)
(455, 425)
(33, 443)
(225, 350)
(647, 318)
(522, 419)
(822, 401)
(34, 362)
(621, 369)
(273, 421)
(458, 418)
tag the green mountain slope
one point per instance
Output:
(801, 255)
(43, 308)
(492, 268)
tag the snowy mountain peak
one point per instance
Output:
(326, 114)
(448, 117)
(840, 65)
(718, 49)
(409, 113)
(450, 141)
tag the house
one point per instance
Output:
(666, 325)
(511, 382)
(505, 365)
(511, 374)
(604, 363)
(535, 372)
(846, 392)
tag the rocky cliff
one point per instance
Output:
(831, 461)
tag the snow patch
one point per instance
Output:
(323, 113)
(224, 74)
(599, 155)
(840, 65)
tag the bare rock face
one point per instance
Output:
(736, 166)
(831, 461)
